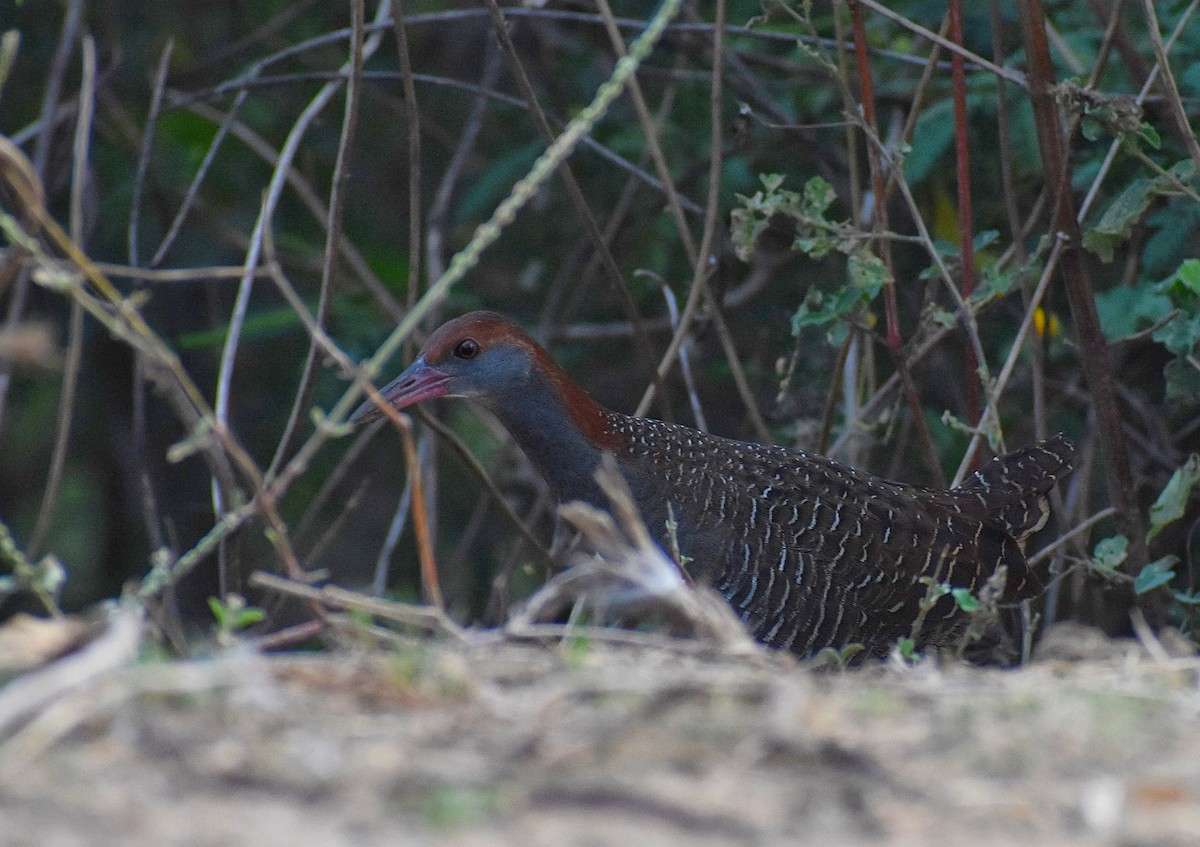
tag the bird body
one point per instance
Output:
(809, 552)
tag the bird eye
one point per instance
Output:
(468, 348)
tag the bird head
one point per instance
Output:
(480, 355)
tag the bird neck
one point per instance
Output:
(560, 428)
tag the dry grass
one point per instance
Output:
(593, 743)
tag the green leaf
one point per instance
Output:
(1110, 553)
(1172, 228)
(964, 599)
(818, 195)
(1119, 218)
(1150, 135)
(1183, 283)
(1123, 310)
(985, 239)
(941, 316)
(868, 273)
(1172, 501)
(1155, 574)
(1180, 334)
(1183, 383)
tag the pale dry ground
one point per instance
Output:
(440, 743)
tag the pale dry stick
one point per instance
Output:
(89, 701)
(241, 87)
(1072, 61)
(333, 232)
(568, 270)
(542, 14)
(1168, 81)
(265, 497)
(1075, 531)
(227, 53)
(115, 647)
(111, 310)
(332, 529)
(173, 275)
(684, 364)
(429, 618)
(329, 487)
(314, 329)
(1146, 637)
(761, 433)
(66, 399)
(55, 77)
(914, 112)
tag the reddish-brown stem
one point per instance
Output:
(894, 341)
(1093, 347)
(867, 95)
(966, 226)
(429, 576)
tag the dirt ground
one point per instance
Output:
(498, 742)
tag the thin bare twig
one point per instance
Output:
(581, 205)
(412, 115)
(54, 82)
(428, 618)
(333, 233)
(443, 195)
(66, 400)
(705, 260)
(1174, 104)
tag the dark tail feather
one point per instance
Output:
(1013, 487)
